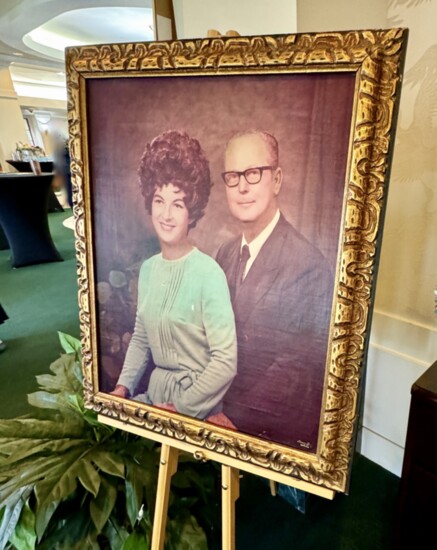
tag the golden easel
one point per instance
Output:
(230, 470)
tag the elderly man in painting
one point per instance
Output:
(184, 320)
(281, 289)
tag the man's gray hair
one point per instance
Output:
(269, 139)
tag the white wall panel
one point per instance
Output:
(382, 451)
(195, 17)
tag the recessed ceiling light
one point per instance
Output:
(91, 26)
(40, 92)
(51, 39)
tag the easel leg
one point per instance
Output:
(167, 467)
(230, 493)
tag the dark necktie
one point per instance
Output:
(244, 257)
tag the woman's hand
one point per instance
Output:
(221, 419)
(120, 390)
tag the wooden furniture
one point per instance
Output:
(418, 497)
(23, 216)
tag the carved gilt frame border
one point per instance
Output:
(376, 57)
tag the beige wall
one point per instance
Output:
(403, 340)
(404, 337)
(339, 15)
(408, 273)
(195, 17)
(408, 269)
(12, 127)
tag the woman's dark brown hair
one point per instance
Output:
(174, 157)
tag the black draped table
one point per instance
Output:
(3, 240)
(25, 166)
(23, 216)
(47, 167)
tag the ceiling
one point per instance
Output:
(34, 34)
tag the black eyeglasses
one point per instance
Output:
(251, 175)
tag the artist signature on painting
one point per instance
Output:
(304, 444)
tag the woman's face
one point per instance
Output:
(170, 216)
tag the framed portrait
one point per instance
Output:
(229, 203)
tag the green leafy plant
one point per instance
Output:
(67, 481)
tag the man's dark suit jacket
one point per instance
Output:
(282, 312)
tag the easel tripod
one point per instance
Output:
(230, 483)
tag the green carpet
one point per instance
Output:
(362, 520)
(42, 299)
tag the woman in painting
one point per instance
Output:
(184, 320)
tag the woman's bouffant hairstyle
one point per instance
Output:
(174, 157)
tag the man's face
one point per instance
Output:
(254, 204)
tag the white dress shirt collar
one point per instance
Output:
(257, 243)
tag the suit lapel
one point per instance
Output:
(229, 263)
(262, 274)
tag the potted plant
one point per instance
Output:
(67, 481)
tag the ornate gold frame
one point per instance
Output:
(376, 57)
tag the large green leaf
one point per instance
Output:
(47, 400)
(185, 534)
(67, 375)
(88, 476)
(76, 402)
(24, 536)
(133, 501)
(60, 481)
(11, 500)
(40, 471)
(12, 514)
(141, 480)
(90, 417)
(136, 541)
(67, 370)
(101, 507)
(28, 448)
(72, 530)
(70, 344)
(147, 470)
(191, 477)
(115, 533)
(34, 429)
(108, 462)
(134, 492)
